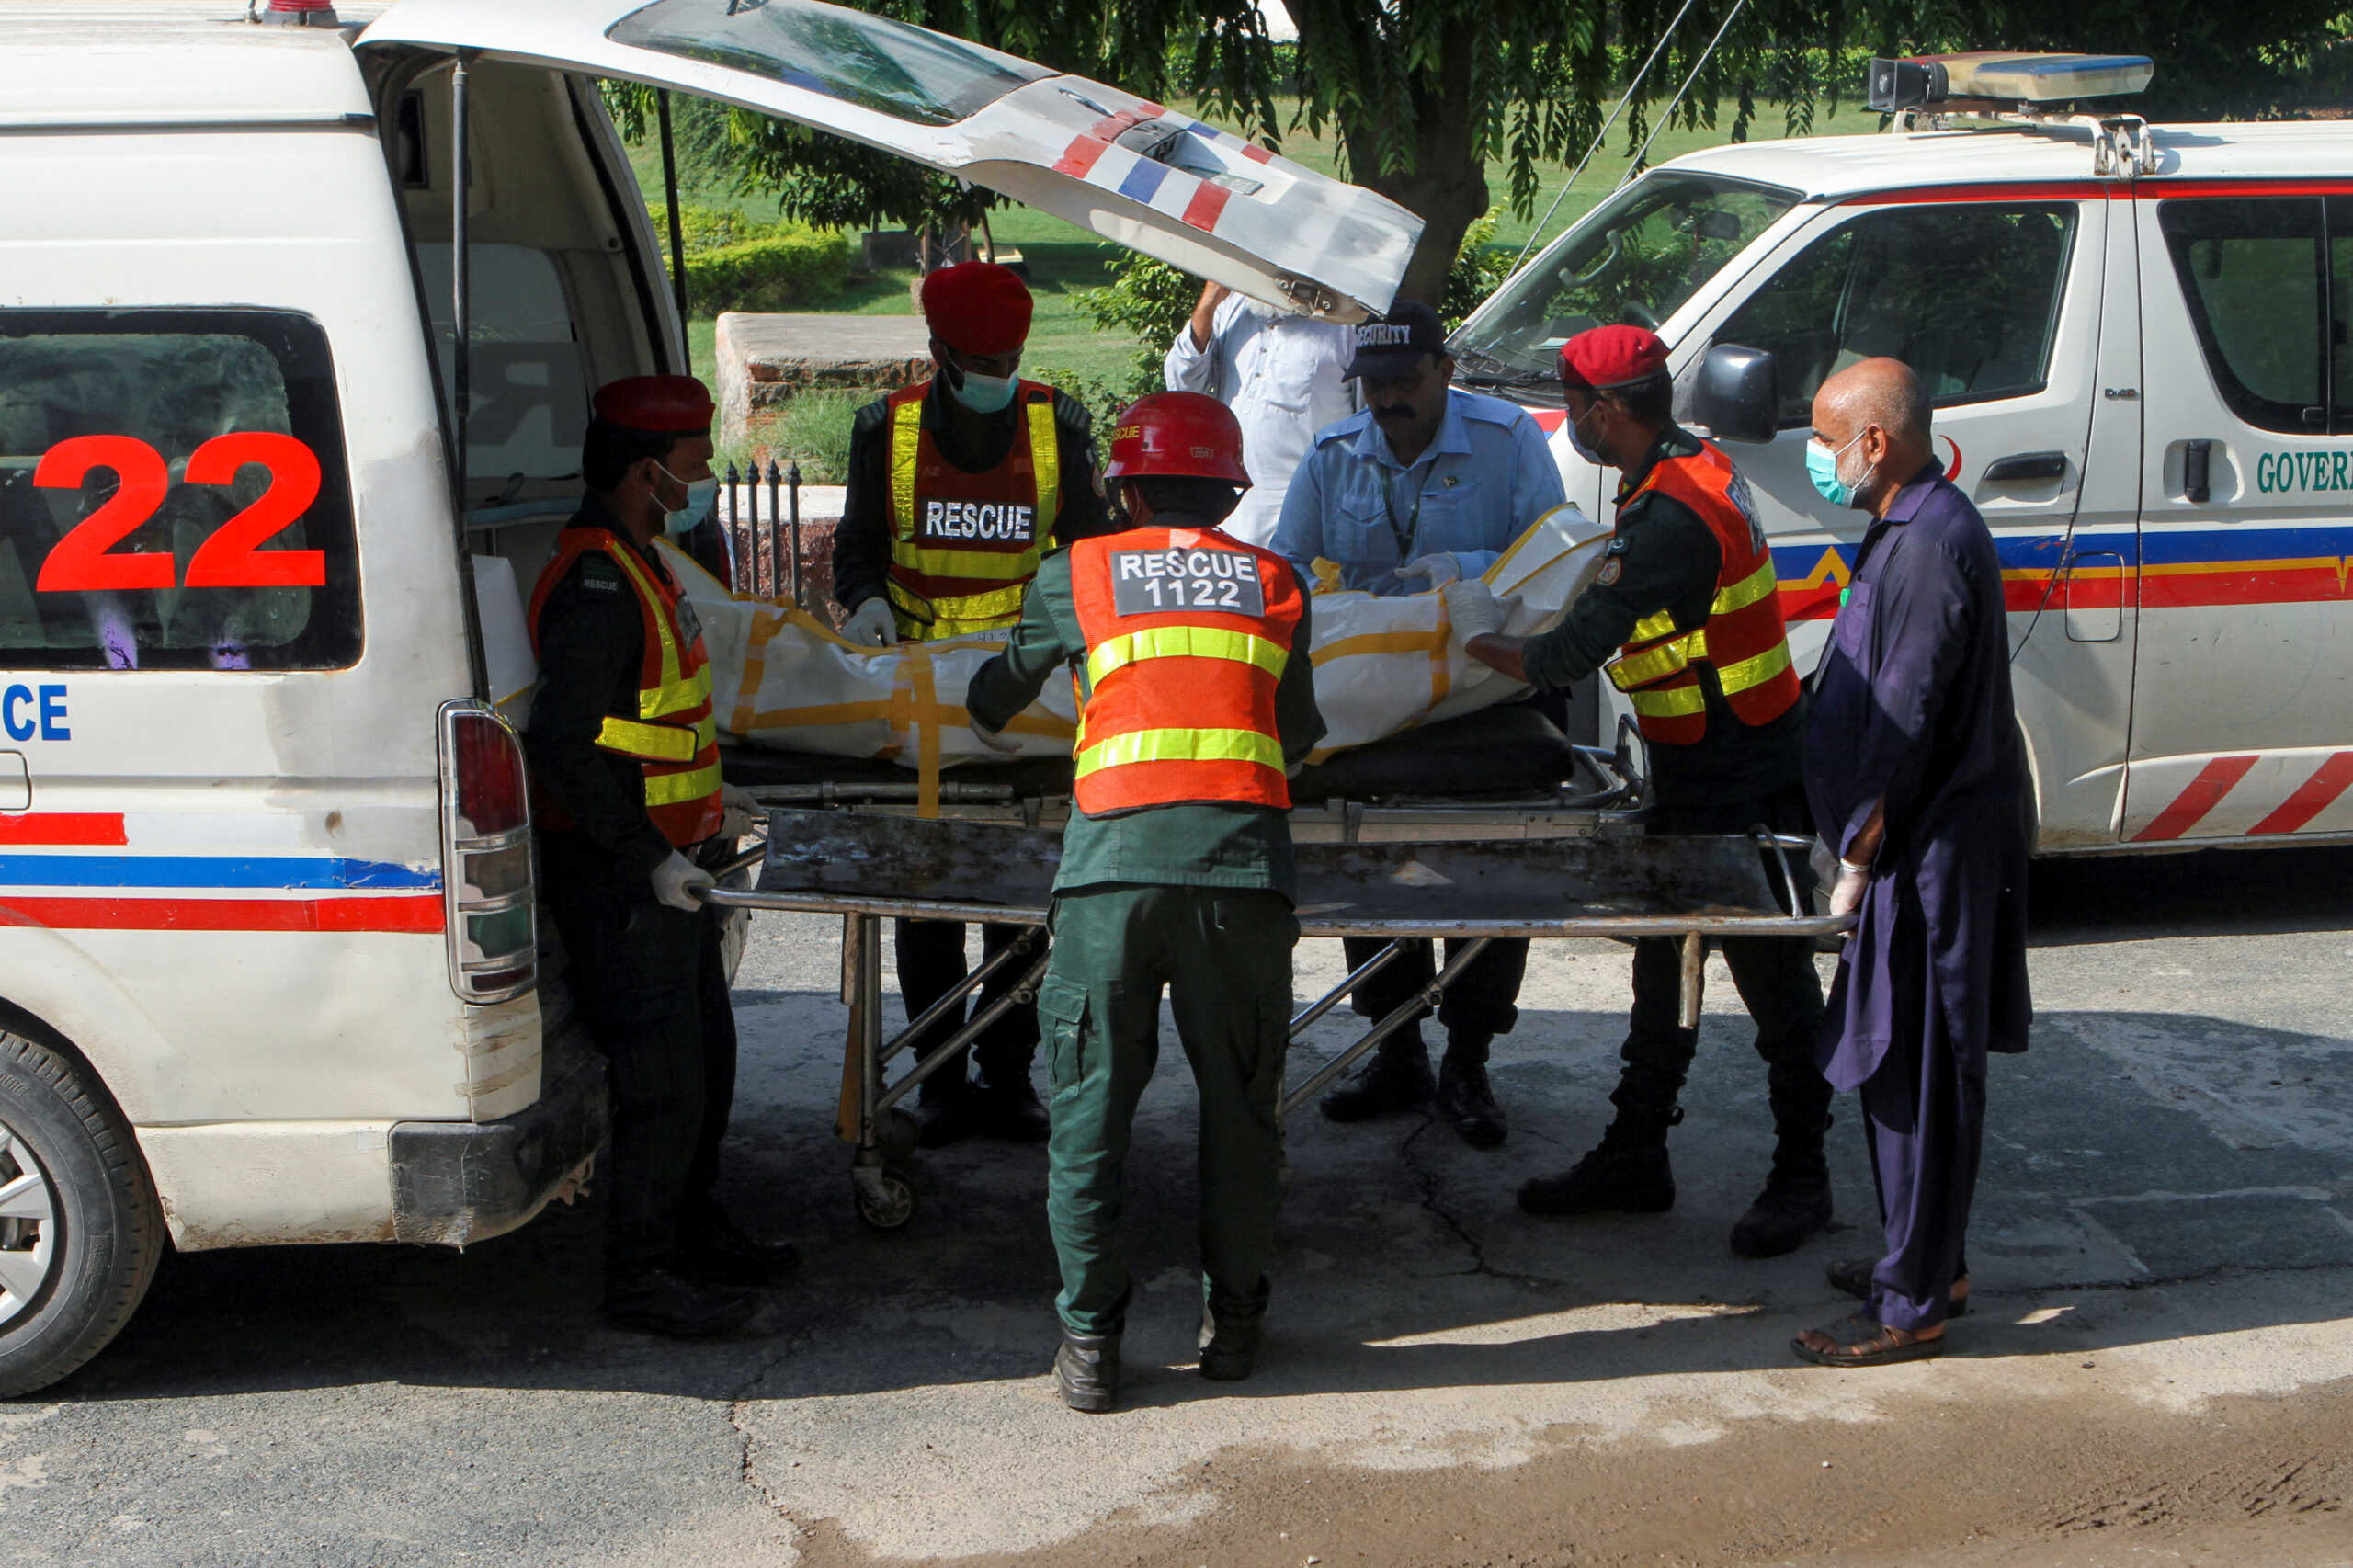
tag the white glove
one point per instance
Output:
(995, 740)
(739, 812)
(871, 624)
(1473, 608)
(1824, 861)
(1847, 895)
(1437, 571)
(673, 878)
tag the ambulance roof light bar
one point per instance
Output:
(2021, 91)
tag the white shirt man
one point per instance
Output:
(1281, 374)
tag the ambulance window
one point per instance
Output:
(1638, 258)
(2341, 311)
(1966, 294)
(2253, 273)
(871, 61)
(173, 492)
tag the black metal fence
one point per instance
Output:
(767, 540)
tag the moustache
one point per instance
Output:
(1392, 411)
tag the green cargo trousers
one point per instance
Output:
(1224, 955)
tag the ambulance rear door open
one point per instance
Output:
(1195, 197)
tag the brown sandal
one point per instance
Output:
(1861, 1341)
(1853, 1276)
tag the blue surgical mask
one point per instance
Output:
(984, 394)
(700, 494)
(1822, 466)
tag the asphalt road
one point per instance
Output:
(2163, 1258)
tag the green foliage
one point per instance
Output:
(1147, 300)
(782, 272)
(1104, 397)
(1479, 267)
(710, 228)
(811, 429)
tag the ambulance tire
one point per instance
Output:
(109, 1228)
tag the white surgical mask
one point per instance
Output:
(1577, 444)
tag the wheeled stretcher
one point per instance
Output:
(1570, 861)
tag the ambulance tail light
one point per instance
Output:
(491, 905)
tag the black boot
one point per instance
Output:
(1626, 1173)
(1231, 1328)
(1010, 1110)
(947, 1111)
(1397, 1078)
(1465, 1100)
(715, 1251)
(1795, 1203)
(655, 1299)
(1086, 1371)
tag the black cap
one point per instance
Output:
(1390, 347)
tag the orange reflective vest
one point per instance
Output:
(1187, 632)
(1742, 640)
(674, 736)
(964, 546)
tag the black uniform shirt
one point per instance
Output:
(862, 544)
(1664, 557)
(592, 649)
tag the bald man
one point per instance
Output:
(1918, 781)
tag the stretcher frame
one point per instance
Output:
(883, 1137)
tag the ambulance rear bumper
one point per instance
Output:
(455, 1182)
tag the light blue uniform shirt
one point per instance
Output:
(1474, 490)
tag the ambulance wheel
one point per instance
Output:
(80, 1229)
(886, 1201)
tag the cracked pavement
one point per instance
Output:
(2165, 1221)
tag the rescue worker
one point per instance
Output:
(957, 485)
(1428, 484)
(626, 785)
(1189, 653)
(1683, 617)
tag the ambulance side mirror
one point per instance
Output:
(1737, 394)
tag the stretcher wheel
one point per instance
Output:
(896, 1135)
(886, 1199)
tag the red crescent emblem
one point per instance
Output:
(1952, 474)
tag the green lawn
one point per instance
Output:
(1064, 260)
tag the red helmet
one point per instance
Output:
(1179, 434)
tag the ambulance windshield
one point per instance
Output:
(871, 61)
(1636, 258)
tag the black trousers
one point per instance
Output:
(1775, 975)
(931, 961)
(651, 988)
(1480, 1004)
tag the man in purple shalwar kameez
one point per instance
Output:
(1917, 780)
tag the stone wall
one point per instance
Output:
(763, 360)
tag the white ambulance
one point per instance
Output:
(2138, 341)
(269, 968)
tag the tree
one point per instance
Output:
(1422, 95)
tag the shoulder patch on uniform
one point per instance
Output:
(1617, 545)
(1611, 570)
(598, 571)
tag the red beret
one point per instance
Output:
(978, 307)
(659, 405)
(1611, 357)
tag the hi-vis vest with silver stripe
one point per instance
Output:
(1742, 640)
(673, 736)
(1182, 666)
(964, 546)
